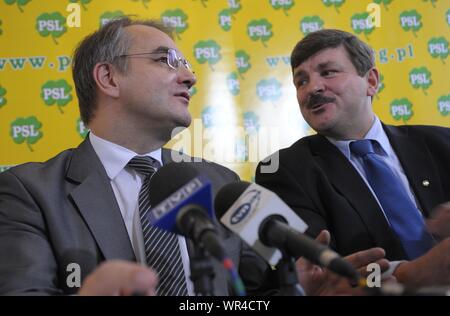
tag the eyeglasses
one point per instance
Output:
(171, 59)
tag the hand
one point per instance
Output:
(439, 223)
(120, 278)
(431, 269)
(319, 281)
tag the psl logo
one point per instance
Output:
(209, 116)
(175, 19)
(20, 3)
(193, 91)
(438, 48)
(207, 51)
(26, 130)
(81, 128)
(268, 90)
(233, 84)
(225, 19)
(401, 109)
(109, 16)
(444, 105)
(448, 17)
(384, 2)
(56, 92)
(242, 62)
(251, 122)
(260, 30)
(2, 96)
(362, 23)
(420, 78)
(51, 24)
(410, 20)
(144, 2)
(335, 3)
(234, 6)
(282, 4)
(310, 24)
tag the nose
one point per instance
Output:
(316, 85)
(186, 76)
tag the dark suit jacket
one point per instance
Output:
(318, 182)
(64, 211)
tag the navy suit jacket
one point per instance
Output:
(64, 211)
(319, 183)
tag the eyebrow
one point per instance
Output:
(321, 66)
(161, 49)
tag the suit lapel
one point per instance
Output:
(347, 181)
(96, 202)
(417, 165)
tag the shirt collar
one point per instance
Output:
(376, 132)
(115, 157)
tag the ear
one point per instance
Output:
(373, 80)
(105, 76)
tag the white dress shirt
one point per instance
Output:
(126, 184)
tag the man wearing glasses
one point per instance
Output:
(82, 209)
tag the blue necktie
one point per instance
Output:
(403, 215)
(161, 248)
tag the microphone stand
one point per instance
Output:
(287, 277)
(202, 272)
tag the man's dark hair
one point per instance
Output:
(360, 54)
(103, 46)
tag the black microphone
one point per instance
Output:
(182, 200)
(259, 216)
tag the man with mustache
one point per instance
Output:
(368, 183)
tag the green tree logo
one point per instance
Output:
(81, 129)
(335, 3)
(362, 23)
(224, 18)
(411, 21)
(26, 130)
(233, 83)
(2, 96)
(51, 24)
(438, 48)
(203, 2)
(260, 30)
(401, 109)
(251, 122)
(144, 2)
(209, 116)
(242, 62)
(56, 92)
(385, 3)
(420, 78)
(432, 2)
(20, 3)
(381, 86)
(82, 2)
(207, 51)
(268, 90)
(444, 105)
(282, 4)
(310, 24)
(176, 19)
(108, 16)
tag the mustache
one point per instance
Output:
(318, 99)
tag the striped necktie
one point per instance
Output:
(162, 248)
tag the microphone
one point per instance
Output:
(182, 200)
(183, 205)
(265, 222)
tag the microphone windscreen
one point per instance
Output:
(168, 179)
(227, 195)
